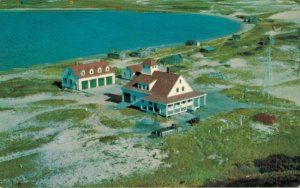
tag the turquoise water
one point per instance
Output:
(39, 37)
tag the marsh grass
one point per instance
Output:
(6, 108)
(62, 115)
(13, 168)
(211, 150)
(20, 141)
(108, 139)
(254, 95)
(19, 87)
(115, 123)
(53, 102)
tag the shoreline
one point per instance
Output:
(243, 28)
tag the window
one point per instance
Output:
(91, 71)
(69, 74)
(100, 70)
(142, 101)
(180, 81)
(65, 80)
(182, 88)
(71, 83)
(107, 68)
(177, 90)
(82, 73)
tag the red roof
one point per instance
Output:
(91, 66)
(135, 68)
(162, 87)
(149, 62)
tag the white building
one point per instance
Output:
(86, 76)
(162, 93)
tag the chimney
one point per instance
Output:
(168, 70)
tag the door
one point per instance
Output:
(100, 82)
(127, 97)
(84, 85)
(109, 80)
(93, 83)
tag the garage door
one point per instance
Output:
(100, 82)
(84, 84)
(93, 83)
(109, 80)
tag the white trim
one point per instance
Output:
(91, 71)
(95, 77)
(82, 73)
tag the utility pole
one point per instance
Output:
(267, 67)
(296, 59)
(298, 70)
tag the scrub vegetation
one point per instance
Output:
(223, 147)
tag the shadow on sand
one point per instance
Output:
(113, 98)
(57, 84)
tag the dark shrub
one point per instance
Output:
(264, 118)
(277, 163)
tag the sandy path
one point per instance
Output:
(287, 92)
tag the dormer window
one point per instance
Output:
(91, 71)
(82, 73)
(107, 68)
(99, 70)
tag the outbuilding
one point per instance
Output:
(172, 59)
(129, 72)
(252, 19)
(116, 55)
(192, 43)
(86, 76)
(236, 37)
(141, 53)
(207, 49)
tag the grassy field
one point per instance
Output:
(213, 150)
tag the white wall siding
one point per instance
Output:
(77, 83)
(184, 84)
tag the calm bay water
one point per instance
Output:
(39, 37)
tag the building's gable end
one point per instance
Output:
(181, 86)
(66, 72)
(73, 75)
